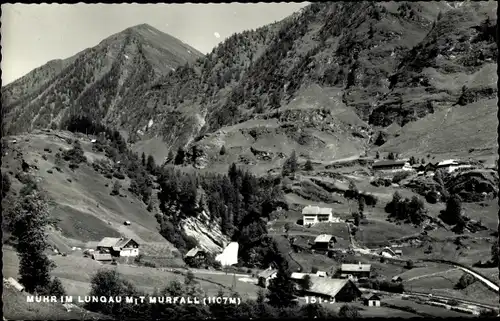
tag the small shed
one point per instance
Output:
(398, 252)
(371, 300)
(126, 223)
(324, 242)
(396, 279)
(266, 276)
(11, 282)
(103, 257)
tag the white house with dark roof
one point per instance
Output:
(451, 165)
(371, 300)
(392, 166)
(118, 246)
(355, 271)
(315, 214)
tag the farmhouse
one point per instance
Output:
(451, 165)
(195, 256)
(371, 300)
(392, 165)
(335, 290)
(355, 271)
(324, 242)
(316, 214)
(118, 246)
(266, 276)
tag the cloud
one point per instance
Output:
(216, 34)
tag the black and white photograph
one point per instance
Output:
(287, 160)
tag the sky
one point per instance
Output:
(37, 33)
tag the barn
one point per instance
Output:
(334, 290)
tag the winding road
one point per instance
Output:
(492, 285)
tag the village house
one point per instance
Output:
(451, 165)
(335, 290)
(324, 242)
(316, 214)
(371, 300)
(265, 277)
(355, 271)
(392, 166)
(195, 257)
(118, 246)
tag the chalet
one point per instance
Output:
(102, 257)
(266, 276)
(316, 214)
(118, 246)
(195, 256)
(355, 271)
(335, 290)
(391, 165)
(324, 242)
(371, 300)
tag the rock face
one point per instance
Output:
(368, 64)
(474, 186)
(208, 235)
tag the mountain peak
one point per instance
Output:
(143, 26)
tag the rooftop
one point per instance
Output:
(389, 163)
(316, 210)
(355, 267)
(193, 252)
(371, 296)
(102, 257)
(447, 162)
(323, 238)
(321, 285)
(267, 273)
(114, 242)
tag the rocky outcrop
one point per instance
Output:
(208, 234)
(474, 186)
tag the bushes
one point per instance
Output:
(381, 182)
(118, 175)
(383, 285)
(116, 189)
(412, 211)
(6, 184)
(398, 177)
(464, 281)
(74, 155)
